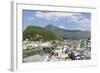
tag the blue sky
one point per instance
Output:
(65, 20)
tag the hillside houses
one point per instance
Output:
(31, 44)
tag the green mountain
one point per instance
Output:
(68, 34)
(36, 33)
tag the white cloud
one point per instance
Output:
(50, 15)
(58, 15)
(84, 28)
(30, 18)
(63, 27)
(85, 23)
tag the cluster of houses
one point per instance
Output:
(31, 44)
(68, 49)
(74, 50)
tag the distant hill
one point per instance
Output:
(38, 33)
(68, 34)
